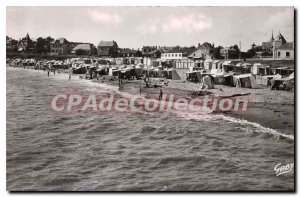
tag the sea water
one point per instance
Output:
(122, 151)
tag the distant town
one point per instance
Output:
(275, 48)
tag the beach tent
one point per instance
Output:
(285, 71)
(174, 74)
(227, 66)
(193, 76)
(220, 65)
(215, 64)
(159, 73)
(238, 68)
(246, 68)
(283, 83)
(259, 69)
(198, 65)
(165, 74)
(208, 64)
(207, 82)
(244, 80)
(216, 71)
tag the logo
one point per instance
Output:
(139, 103)
(282, 169)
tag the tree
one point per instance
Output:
(252, 52)
(139, 53)
(217, 53)
(49, 40)
(41, 45)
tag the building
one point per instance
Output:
(108, 48)
(229, 53)
(84, 49)
(146, 50)
(165, 49)
(278, 47)
(172, 54)
(204, 51)
(177, 53)
(126, 52)
(26, 44)
(11, 44)
(155, 51)
(267, 47)
(285, 51)
(62, 46)
(155, 54)
(282, 49)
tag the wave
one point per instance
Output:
(242, 122)
(207, 115)
(203, 116)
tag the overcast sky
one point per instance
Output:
(134, 27)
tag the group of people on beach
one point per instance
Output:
(121, 83)
(49, 70)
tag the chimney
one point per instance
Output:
(199, 45)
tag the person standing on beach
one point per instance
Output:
(54, 71)
(140, 89)
(48, 73)
(160, 95)
(121, 84)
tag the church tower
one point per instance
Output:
(272, 37)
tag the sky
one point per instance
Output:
(135, 27)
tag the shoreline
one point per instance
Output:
(270, 108)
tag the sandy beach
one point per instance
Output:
(269, 108)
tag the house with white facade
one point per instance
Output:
(177, 53)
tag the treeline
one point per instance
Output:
(41, 56)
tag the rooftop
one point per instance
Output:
(288, 45)
(106, 43)
(82, 47)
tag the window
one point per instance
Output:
(169, 55)
(278, 53)
(172, 55)
(287, 54)
(179, 55)
(175, 55)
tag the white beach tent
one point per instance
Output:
(258, 68)
(245, 80)
(208, 64)
(215, 64)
